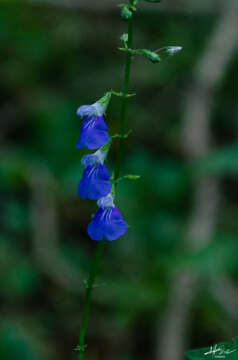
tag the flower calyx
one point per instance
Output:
(104, 101)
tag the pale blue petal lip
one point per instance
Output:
(89, 160)
(106, 202)
(96, 158)
(86, 110)
(94, 110)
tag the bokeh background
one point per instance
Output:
(171, 283)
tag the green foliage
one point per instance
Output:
(18, 343)
(220, 162)
(217, 258)
(51, 62)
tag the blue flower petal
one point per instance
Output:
(82, 189)
(107, 223)
(93, 133)
(95, 229)
(95, 182)
(115, 227)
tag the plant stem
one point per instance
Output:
(99, 250)
(124, 100)
(90, 283)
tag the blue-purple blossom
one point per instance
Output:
(95, 180)
(93, 132)
(107, 222)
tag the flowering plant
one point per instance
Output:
(96, 183)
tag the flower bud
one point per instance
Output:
(151, 55)
(126, 13)
(124, 39)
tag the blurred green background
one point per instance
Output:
(171, 283)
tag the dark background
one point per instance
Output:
(170, 284)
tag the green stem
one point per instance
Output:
(98, 254)
(90, 283)
(124, 100)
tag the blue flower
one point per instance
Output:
(107, 221)
(93, 132)
(95, 181)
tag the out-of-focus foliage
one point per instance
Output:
(53, 60)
